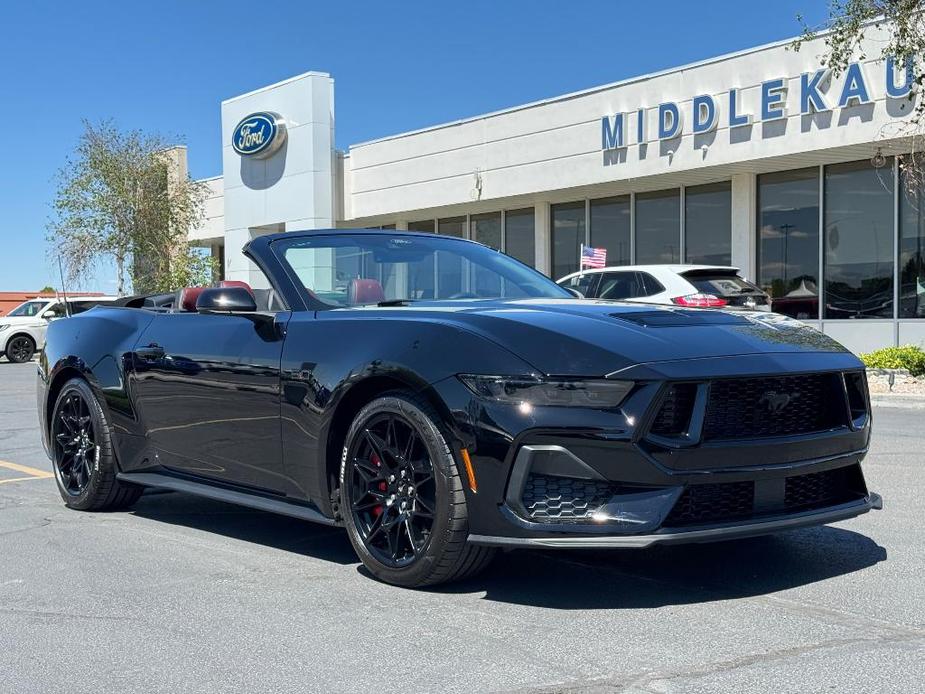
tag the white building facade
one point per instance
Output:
(759, 159)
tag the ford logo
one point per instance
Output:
(259, 135)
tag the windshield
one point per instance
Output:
(28, 309)
(357, 269)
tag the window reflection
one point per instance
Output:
(911, 249)
(858, 241)
(658, 227)
(519, 235)
(708, 224)
(568, 233)
(788, 244)
(610, 228)
(486, 228)
(426, 225)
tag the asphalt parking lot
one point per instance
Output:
(187, 595)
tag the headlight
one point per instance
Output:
(548, 393)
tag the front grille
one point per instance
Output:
(744, 408)
(561, 499)
(821, 489)
(735, 501)
(704, 503)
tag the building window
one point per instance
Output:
(858, 268)
(387, 226)
(788, 241)
(486, 228)
(452, 226)
(708, 224)
(426, 225)
(658, 227)
(610, 228)
(568, 233)
(519, 235)
(911, 250)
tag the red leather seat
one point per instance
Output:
(364, 291)
(188, 297)
(236, 283)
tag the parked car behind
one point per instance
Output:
(697, 286)
(22, 330)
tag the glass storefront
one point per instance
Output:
(426, 225)
(452, 226)
(708, 224)
(658, 227)
(911, 249)
(610, 228)
(858, 204)
(519, 235)
(788, 241)
(486, 228)
(568, 233)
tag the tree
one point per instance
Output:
(47, 289)
(119, 198)
(903, 25)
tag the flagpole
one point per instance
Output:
(581, 260)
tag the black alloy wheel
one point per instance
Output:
(401, 495)
(20, 349)
(392, 491)
(75, 445)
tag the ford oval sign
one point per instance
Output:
(259, 135)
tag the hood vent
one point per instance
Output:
(679, 318)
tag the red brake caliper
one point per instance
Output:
(374, 459)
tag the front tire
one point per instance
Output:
(82, 452)
(20, 349)
(402, 497)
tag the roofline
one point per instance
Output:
(594, 90)
(310, 73)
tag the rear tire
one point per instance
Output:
(402, 497)
(82, 452)
(20, 349)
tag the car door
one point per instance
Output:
(207, 389)
(618, 286)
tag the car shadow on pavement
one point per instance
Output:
(247, 525)
(674, 575)
(568, 580)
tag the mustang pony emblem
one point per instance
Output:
(775, 402)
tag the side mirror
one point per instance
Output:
(226, 299)
(574, 292)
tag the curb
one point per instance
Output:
(907, 401)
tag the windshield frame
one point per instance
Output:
(312, 302)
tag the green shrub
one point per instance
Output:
(907, 357)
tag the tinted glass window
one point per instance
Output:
(708, 224)
(722, 285)
(30, 308)
(621, 285)
(584, 284)
(610, 228)
(911, 251)
(658, 227)
(426, 225)
(452, 226)
(652, 286)
(858, 241)
(568, 233)
(486, 228)
(346, 270)
(788, 241)
(519, 235)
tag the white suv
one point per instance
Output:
(697, 286)
(22, 330)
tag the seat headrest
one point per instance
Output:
(236, 283)
(188, 297)
(364, 291)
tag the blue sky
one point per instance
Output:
(165, 66)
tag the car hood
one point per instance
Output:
(588, 337)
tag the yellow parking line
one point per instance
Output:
(34, 473)
(25, 479)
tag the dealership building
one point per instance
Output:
(759, 159)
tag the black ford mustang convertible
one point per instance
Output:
(439, 400)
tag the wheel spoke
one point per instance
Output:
(409, 446)
(377, 444)
(369, 472)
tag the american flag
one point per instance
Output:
(593, 257)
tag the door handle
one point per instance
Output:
(151, 353)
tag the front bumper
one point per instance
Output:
(730, 531)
